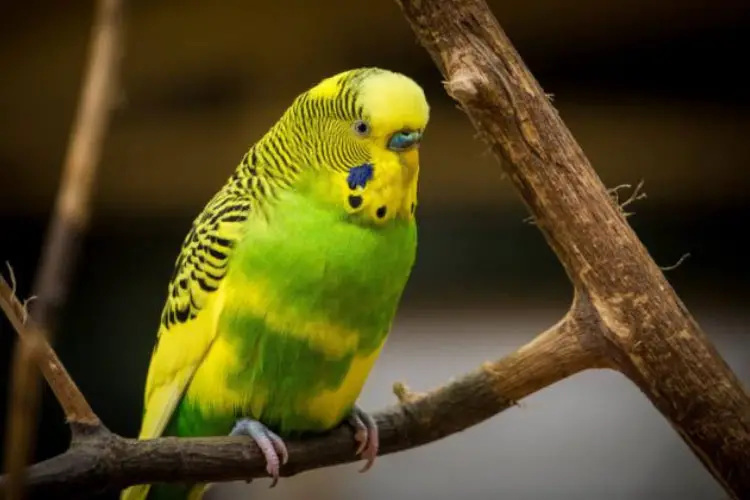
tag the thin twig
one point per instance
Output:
(69, 223)
(677, 264)
(635, 195)
(72, 401)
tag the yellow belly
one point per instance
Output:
(323, 410)
(329, 406)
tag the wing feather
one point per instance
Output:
(188, 320)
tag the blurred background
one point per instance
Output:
(652, 90)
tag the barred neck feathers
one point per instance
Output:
(271, 164)
(350, 142)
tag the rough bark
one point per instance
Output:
(650, 335)
(624, 316)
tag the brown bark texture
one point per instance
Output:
(647, 332)
(625, 315)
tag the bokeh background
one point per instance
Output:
(652, 90)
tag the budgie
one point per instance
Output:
(288, 281)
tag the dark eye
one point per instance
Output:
(361, 127)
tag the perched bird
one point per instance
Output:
(288, 282)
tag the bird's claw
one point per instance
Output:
(270, 444)
(366, 436)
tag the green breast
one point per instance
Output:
(310, 292)
(323, 263)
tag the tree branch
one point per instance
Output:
(72, 401)
(650, 335)
(624, 316)
(100, 460)
(68, 224)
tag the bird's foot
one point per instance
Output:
(366, 434)
(269, 442)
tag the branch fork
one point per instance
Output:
(625, 316)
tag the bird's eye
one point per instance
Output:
(361, 127)
(403, 140)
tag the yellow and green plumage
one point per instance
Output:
(287, 284)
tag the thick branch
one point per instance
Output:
(625, 314)
(99, 460)
(68, 224)
(651, 336)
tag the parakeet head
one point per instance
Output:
(360, 131)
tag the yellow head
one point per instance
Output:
(361, 129)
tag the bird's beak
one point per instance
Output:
(410, 159)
